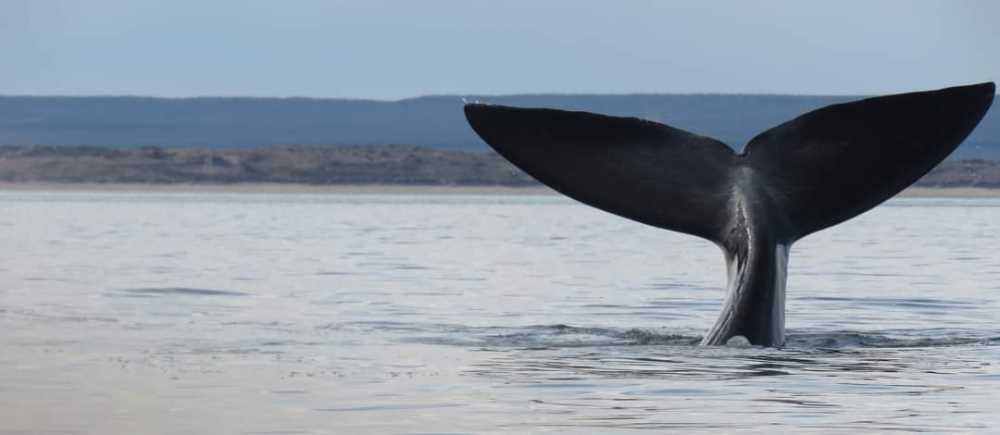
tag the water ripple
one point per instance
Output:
(565, 336)
(180, 291)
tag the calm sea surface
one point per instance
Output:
(159, 313)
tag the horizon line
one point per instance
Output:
(449, 95)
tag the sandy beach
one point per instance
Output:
(913, 192)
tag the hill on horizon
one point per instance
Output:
(432, 121)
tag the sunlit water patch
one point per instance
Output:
(261, 313)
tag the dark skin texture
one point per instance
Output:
(807, 174)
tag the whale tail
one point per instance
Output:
(810, 173)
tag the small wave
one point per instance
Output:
(851, 339)
(546, 336)
(182, 291)
(566, 336)
(901, 302)
(534, 336)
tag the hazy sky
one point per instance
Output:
(398, 49)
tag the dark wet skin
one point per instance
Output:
(807, 174)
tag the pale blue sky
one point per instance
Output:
(398, 49)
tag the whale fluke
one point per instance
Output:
(812, 172)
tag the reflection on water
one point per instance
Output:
(247, 313)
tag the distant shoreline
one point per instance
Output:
(276, 188)
(913, 192)
(379, 168)
(951, 192)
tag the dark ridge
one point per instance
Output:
(963, 173)
(323, 165)
(387, 164)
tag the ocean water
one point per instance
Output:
(167, 313)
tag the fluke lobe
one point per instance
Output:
(812, 172)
